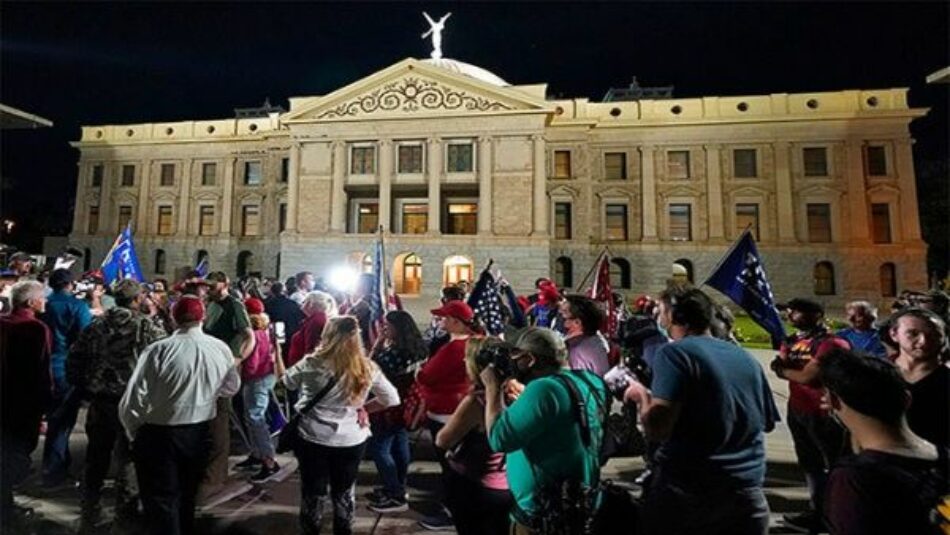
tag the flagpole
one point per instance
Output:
(728, 252)
(593, 267)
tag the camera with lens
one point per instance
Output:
(497, 354)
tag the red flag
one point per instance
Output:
(600, 291)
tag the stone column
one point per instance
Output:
(648, 192)
(434, 161)
(227, 199)
(385, 183)
(783, 193)
(141, 211)
(184, 198)
(338, 189)
(111, 176)
(80, 209)
(904, 165)
(859, 227)
(714, 191)
(293, 188)
(485, 185)
(540, 197)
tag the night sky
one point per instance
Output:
(84, 63)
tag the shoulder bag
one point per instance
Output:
(289, 437)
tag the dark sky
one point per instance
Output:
(98, 63)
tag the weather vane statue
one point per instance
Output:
(435, 28)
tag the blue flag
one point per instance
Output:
(121, 261)
(741, 277)
(203, 267)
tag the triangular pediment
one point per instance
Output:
(412, 88)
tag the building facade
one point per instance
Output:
(460, 167)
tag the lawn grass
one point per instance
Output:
(751, 335)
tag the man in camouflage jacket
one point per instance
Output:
(100, 364)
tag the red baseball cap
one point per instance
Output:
(254, 305)
(188, 309)
(454, 309)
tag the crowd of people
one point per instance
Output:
(518, 422)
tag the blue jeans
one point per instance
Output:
(389, 448)
(60, 421)
(256, 394)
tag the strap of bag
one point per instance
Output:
(578, 407)
(320, 395)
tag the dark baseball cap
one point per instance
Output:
(803, 305)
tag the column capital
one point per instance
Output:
(485, 139)
(433, 140)
(385, 142)
(712, 146)
(537, 137)
(646, 148)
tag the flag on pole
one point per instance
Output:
(600, 291)
(383, 298)
(121, 261)
(740, 276)
(485, 301)
(203, 267)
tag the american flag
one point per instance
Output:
(485, 301)
(383, 299)
(600, 291)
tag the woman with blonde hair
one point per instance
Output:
(340, 377)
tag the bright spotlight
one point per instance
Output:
(342, 278)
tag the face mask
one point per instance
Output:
(522, 375)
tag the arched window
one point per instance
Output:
(277, 267)
(159, 261)
(619, 273)
(201, 256)
(888, 275)
(564, 272)
(361, 262)
(408, 274)
(245, 263)
(456, 269)
(86, 259)
(824, 275)
(683, 271)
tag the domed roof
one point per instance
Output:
(467, 69)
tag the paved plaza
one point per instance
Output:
(272, 509)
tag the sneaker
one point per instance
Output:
(389, 505)
(251, 463)
(440, 521)
(265, 473)
(375, 495)
(806, 522)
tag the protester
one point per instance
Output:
(542, 438)
(66, 316)
(544, 312)
(303, 284)
(100, 364)
(257, 382)
(896, 478)
(921, 338)
(861, 334)
(587, 349)
(282, 309)
(398, 350)
(434, 336)
(25, 391)
(709, 408)
(361, 308)
(332, 436)
(818, 439)
(318, 307)
(226, 320)
(476, 490)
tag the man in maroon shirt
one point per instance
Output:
(818, 439)
(25, 390)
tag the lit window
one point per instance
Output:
(824, 275)
(562, 164)
(408, 274)
(456, 269)
(209, 171)
(819, 223)
(677, 163)
(92, 224)
(683, 271)
(164, 220)
(97, 172)
(747, 216)
(363, 161)
(681, 222)
(206, 220)
(615, 221)
(250, 220)
(167, 176)
(367, 218)
(875, 160)
(252, 173)
(415, 218)
(459, 158)
(128, 175)
(462, 218)
(881, 222)
(744, 163)
(125, 216)
(615, 166)
(410, 159)
(562, 221)
(815, 161)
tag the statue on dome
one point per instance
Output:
(435, 28)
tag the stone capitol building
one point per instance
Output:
(460, 166)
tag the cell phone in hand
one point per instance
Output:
(280, 331)
(618, 379)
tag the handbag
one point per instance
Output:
(289, 437)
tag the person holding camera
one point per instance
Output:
(552, 434)
(476, 484)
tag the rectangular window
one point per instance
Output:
(250, 220)
(410, 159)
(562, 221)
(562, 164)
(815, 161)
(164, 220)
(876, 160)
(253, 175)
(284, 170)
(819, 223)
(881, 222)
(206, 220)
(744, 163)
(615, 166)
(459, 158)
(677, 163)
(363, 161)
(125, 216)
(615, 222)
(209, 171)
(415, 218)
(747, 216)
(681, 222)
(128, 176)
(92, 223)
(367, 218)
(167, 176)
(282, 217)
(97, 172)
(462, 218)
